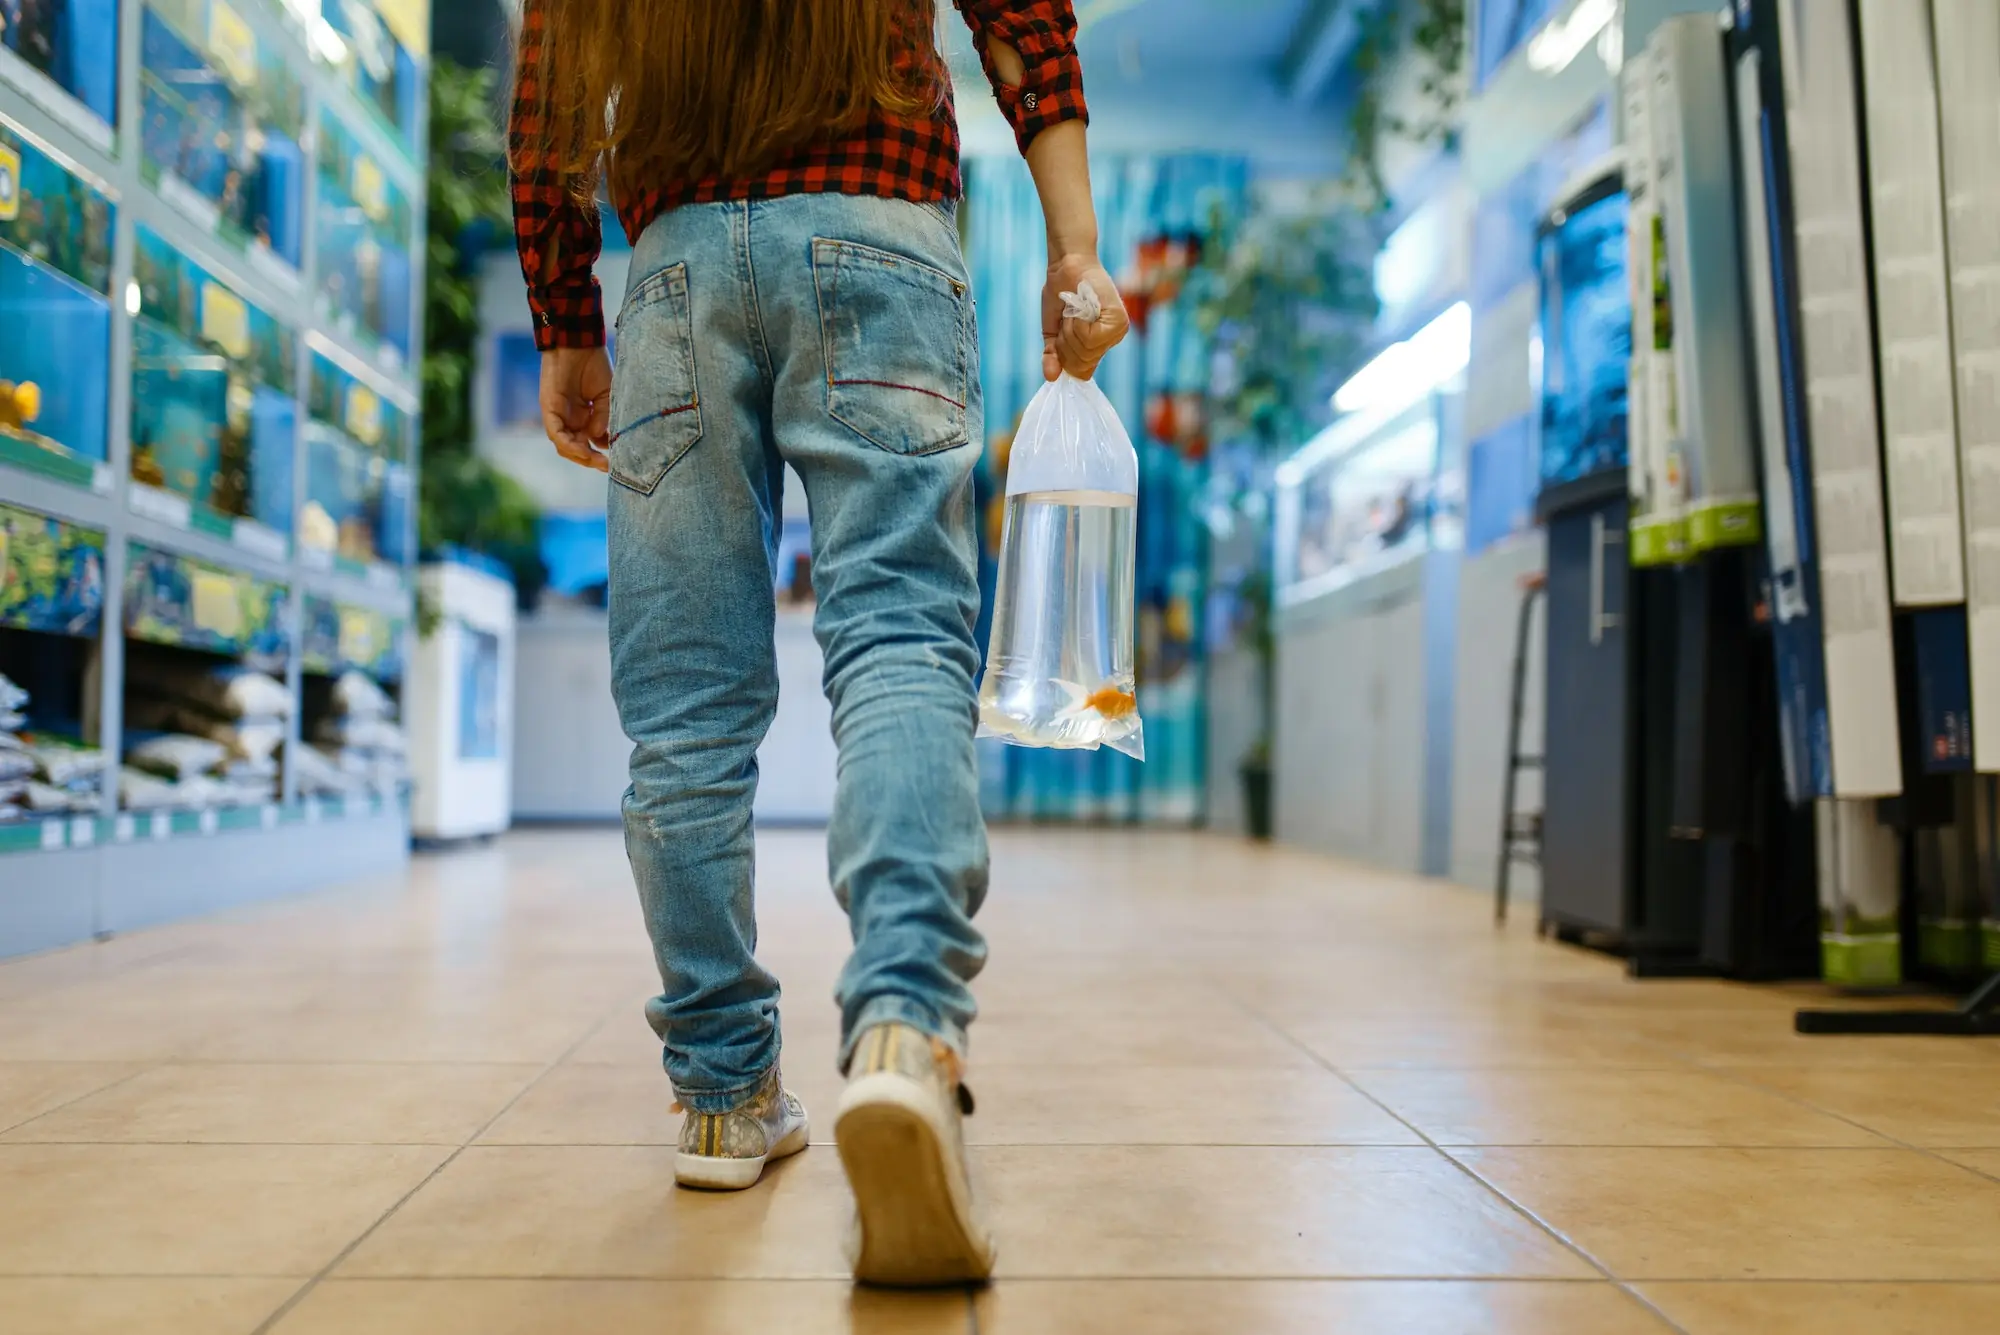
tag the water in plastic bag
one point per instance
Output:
(1059, 663)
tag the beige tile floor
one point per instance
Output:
(1221, 1088)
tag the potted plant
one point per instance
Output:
(1287, 297)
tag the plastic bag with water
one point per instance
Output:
(1059, 663)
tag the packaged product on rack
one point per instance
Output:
(223, 115)
(1059, 667)
(55, 314)
(214, 417)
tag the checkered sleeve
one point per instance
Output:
(1044, 33)
(557, 238)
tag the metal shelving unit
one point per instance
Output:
(68, 879)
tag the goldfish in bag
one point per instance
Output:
(1059, 663)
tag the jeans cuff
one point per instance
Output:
(711, 1101)
(899, 1010)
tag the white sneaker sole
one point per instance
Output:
(704, 1173)
(912, 1201)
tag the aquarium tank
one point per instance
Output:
(366, 231)
(222, 119)
(1586, 342)
(214, 414)
(55, 310)
(359, 486)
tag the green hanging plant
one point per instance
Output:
(462, 499)
(1433, 33)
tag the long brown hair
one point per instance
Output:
(680, 90)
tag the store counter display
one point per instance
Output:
(359, 489)
(214, 421)
(224, 115)
(55, 316)
(365, 232)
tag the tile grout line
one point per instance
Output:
(305, 1290)
(1936, 1153)
(25, 1122)
(1628, 1289)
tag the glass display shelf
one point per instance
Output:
(365, 233)
(55, 316)
(63, 56)
(223, 113)
(1364, 495)
(360, 492)
(215, 423)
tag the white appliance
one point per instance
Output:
(461, 705)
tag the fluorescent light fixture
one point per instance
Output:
(1404, 372)
(327, 43)
(1562, 40)
(135, 300)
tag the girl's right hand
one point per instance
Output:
(1069, 344)
(576, 404)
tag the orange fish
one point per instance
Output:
(1112, 702)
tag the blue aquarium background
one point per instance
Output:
(1586, 343)
(74, 42)
(236, 147)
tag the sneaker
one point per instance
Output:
(903, 1147)
(728, 1151)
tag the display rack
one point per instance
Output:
(211, 276)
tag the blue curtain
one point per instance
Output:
(1138, 199)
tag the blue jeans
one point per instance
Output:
(833, 333)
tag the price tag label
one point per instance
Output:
(311, 806)
(190, 201)
(233, 44)
(225, 320)
(100, 479)
(211, 820)
(410, 22)
(270, 817)
(370, 187)
(162, 825)
(82, 832)
(216, 604)
(124, 830)
(52, 835)
(315, 558)
(364, 415)
(359, 641)
(272, 266)
(161, 506)
(258, 539)
(10, 183)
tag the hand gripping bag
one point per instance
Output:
(1059, 663)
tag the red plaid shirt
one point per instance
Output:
(893, 156)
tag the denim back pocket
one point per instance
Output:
(894, 334)
(655, 407)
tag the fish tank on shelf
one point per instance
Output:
(360, 491)
(215, 421)
(55, 316)
(379, 50)
(63, 55)
(223, 114)
(365, 234)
